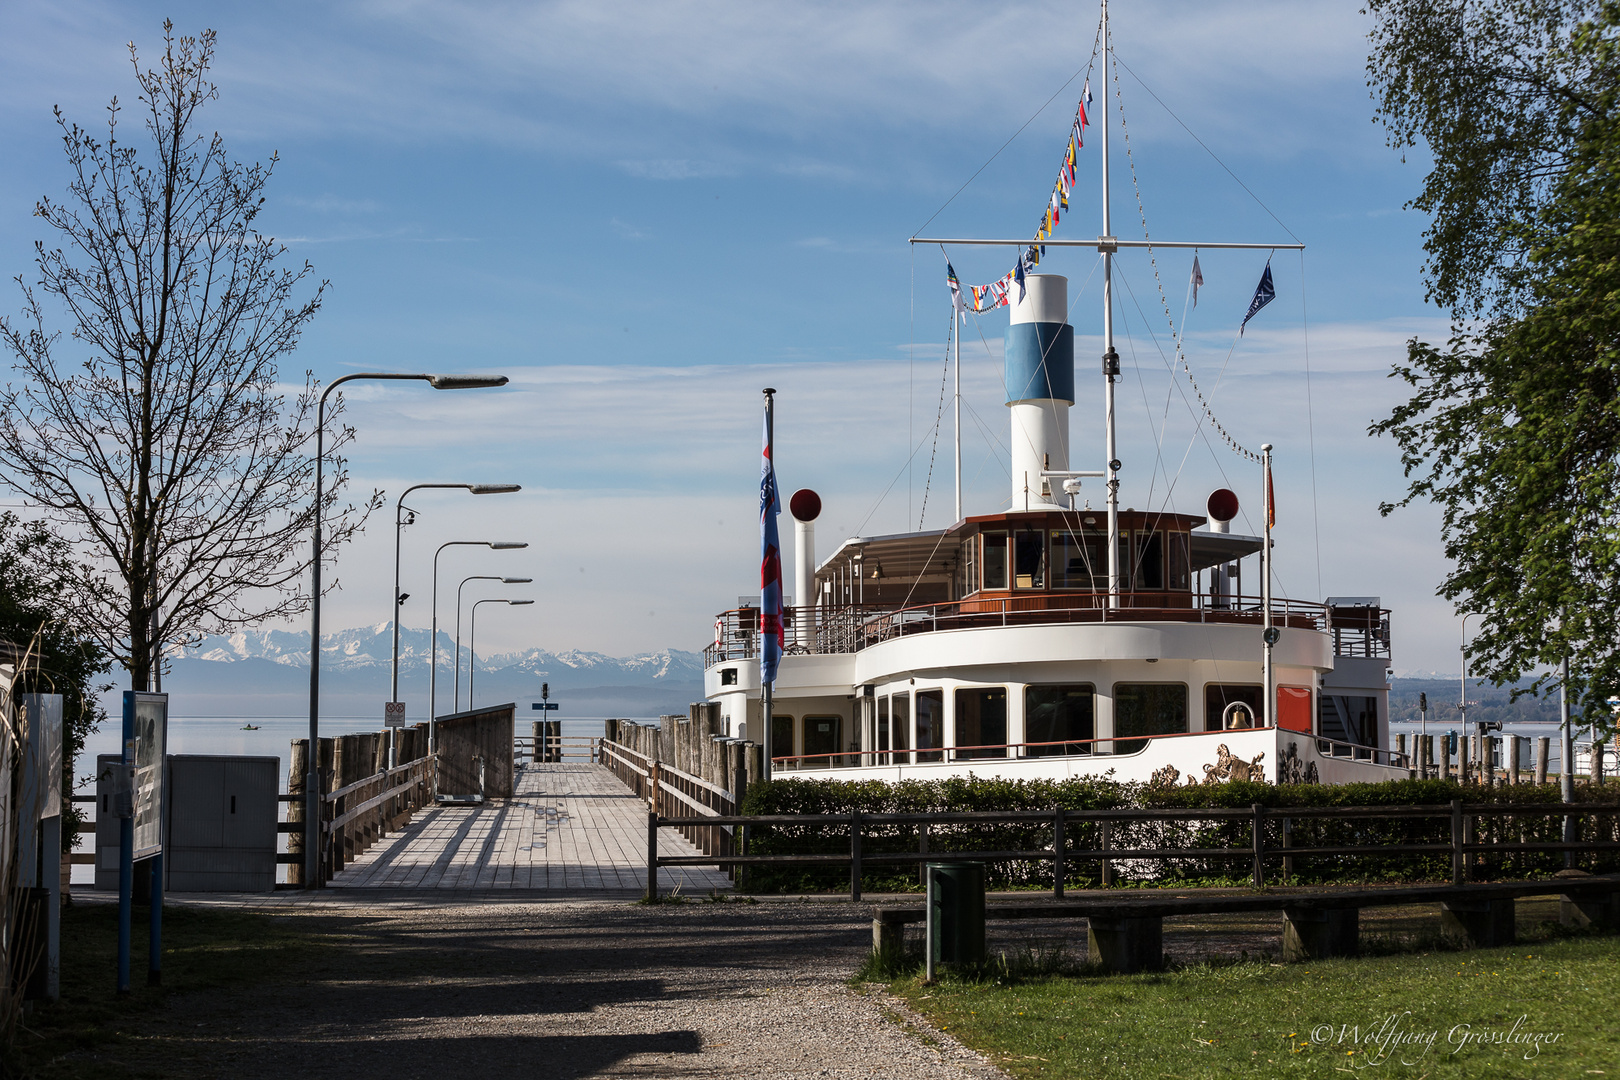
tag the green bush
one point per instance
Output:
(1371, 838)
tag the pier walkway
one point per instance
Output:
(570, 828)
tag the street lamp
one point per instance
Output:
(472, 641)
(433, 651)
(312, 789)
(455, 695)
(399, 528)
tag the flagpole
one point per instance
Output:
(1269, 634)
(1110, 357)
(767, 686)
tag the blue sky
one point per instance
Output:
(643, 213)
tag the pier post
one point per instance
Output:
(652, 856)
(1515, 746)
(1543, 749)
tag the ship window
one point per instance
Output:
(981, 721)
(902, 721)
(882, 724)
(1029, 560)
(1079, 561)
(1060, 715)
(1176, 573)
(1149, 563)
(930, 724)
(728, 676)
(1147, 709)
(821, 735)
(781, 735)
(968, 569)
(995, 560)
(1218, 697)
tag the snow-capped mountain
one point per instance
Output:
(369, 648)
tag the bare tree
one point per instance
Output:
(158, 432)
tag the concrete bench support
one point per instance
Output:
(1126, 943)
(889, 934)
(1485, 923)
(1598, 910)
(1311, 933)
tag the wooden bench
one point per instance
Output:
(1125, 931)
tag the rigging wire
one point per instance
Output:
(1310, 423)
(1201, 143)
(939, 421)
(1084, 68)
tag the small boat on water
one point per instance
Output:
(250, 727)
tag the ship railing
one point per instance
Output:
(847, 628)
(1113, 746)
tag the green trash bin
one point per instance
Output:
(955, 913)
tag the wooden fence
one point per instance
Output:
(357, 815)
(670, 791)
(1464, 847)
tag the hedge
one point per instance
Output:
(970, 793)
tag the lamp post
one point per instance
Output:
(312, 788)
(455, 696)
(399, 598)
(472, 640)
(433, 651)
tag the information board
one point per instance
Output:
(146, 735)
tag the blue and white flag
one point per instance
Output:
(772, 637)
(1264, 293)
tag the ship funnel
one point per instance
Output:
(1040, 389)
(805, 505)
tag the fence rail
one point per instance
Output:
(357, 815)
(709, 822)
(1463, 844)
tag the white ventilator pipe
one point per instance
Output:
(1040, 389)
(805, 506)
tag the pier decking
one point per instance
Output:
(570, 827)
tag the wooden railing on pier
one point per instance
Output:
(357, 815)
(1465, 845)
(670, 791)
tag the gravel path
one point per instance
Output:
(561, 990)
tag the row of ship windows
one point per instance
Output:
(1149, 560)
(1054, 715)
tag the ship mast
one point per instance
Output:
(1106, 245)
(1110, 357)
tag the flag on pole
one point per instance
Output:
(772, 638)
(1271, 499)
(1197, 280)
(957, 303)
(1264, 293)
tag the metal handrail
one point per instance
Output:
(846, 628)
(1396, 759)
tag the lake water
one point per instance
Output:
(224, 735)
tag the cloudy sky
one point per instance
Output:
(644, 213)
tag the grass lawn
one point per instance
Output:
(79, 1035)
(1434, 1014)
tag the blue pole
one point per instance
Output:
(154, 953)
(126, 849)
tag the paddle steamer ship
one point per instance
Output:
(1053, 640)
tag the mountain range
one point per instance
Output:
(266, 673)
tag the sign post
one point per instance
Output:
(394, 714)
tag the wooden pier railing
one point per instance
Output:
(1069, 830)
(670, 791)
(357, 815)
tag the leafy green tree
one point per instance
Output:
(37, 569)
(1513, 429)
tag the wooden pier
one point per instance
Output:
(569, 827)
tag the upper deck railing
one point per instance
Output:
(849, 628)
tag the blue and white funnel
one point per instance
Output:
(1040, 389)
